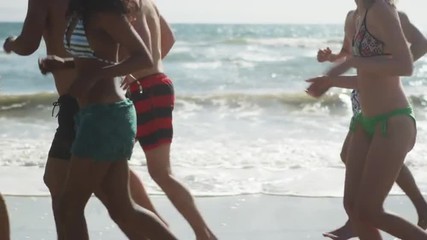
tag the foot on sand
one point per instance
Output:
(206, 235)
(343, 233)
(422, 223)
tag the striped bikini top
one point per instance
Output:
(76, 42)
(365, 44)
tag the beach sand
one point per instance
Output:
(243, 217)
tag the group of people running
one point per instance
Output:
(106, 60)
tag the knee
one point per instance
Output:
(120, 214)
(369, 214)
(2, 201)
(54, 178)
(161, 176)
(117, 216)
(51, 184)
(343, 155)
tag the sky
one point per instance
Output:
(247, 11)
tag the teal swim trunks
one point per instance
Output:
(105, 132)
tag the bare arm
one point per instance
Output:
(349, 82)
(167, 37)
(349, 30)
(52, 63)
(29, 39)
(119, 28)
(320, 85)
(399, 63)
(414, 37)
(327, 55)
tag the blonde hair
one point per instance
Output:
(368, 3)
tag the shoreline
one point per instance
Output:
(243, 217)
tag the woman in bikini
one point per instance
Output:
(384, 130)
(405, 180)
(106, 121)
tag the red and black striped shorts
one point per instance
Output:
(154, 100)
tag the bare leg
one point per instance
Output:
(406, 182)
(355, 161)
(54, 177)
(140, 195)
(386, 153)
(346, 231)
(84, 175)
(160, 170)
(134, 221)
(4, 220)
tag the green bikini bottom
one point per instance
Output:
(369, 123)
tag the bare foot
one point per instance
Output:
(343, 233)
(206, 235)
(422, 223)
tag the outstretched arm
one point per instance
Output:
(29, 39)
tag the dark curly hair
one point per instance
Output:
(85, 8)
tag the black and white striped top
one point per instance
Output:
(78, 45)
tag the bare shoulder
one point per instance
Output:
(404, 19)
(383, 11)
(148, 8)
(350, 14)
(350, 20)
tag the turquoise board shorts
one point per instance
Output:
(105, 132)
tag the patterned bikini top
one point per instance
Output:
(76, 43)
(365, 44)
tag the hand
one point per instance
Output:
(50, 64)
(340, 68)
(318, 86)
(127, 81)
(323, 55)
(7, 46)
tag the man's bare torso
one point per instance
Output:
(53, 36)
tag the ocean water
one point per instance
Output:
(243, 123)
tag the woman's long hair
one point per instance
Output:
(85, 8)
(368, 3)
